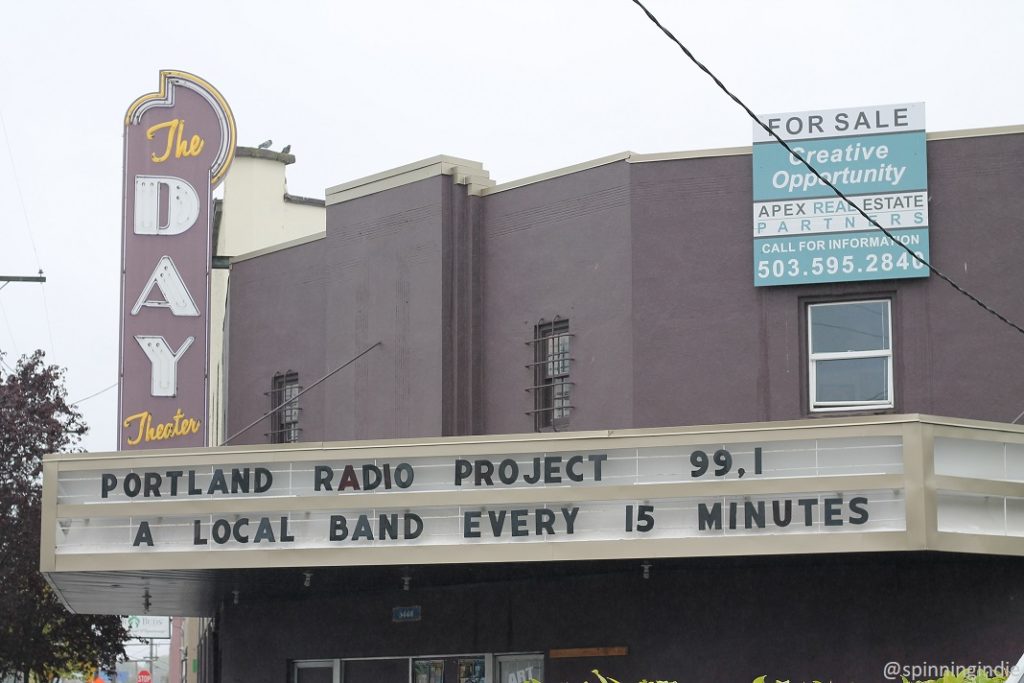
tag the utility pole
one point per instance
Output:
(8, 279)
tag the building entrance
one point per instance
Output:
(469, 668)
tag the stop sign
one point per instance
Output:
(144, 677)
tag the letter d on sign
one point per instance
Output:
(182, 205)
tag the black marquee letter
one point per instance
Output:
(109, 484)
(143, 535)
(322, 475)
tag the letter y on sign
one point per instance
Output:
(164, 375)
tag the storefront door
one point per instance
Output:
(376, 670)
(317, 671)
(482, 668)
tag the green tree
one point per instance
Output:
(38, 635)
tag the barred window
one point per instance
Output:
(284, 421)
(552, 390)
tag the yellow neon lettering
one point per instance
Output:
(171, 127)
(175, 141)
(146, 431)
(143, 419)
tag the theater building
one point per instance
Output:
(581, 427)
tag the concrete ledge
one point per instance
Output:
(466, 172)
(255, 153)
(575, 168)
(975, 132)
(307, 201)
(278, 247)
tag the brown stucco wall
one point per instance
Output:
(652, 264)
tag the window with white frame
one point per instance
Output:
(850, 355)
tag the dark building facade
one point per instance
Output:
(564, 360)
(646, 263)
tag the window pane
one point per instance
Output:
(520, 669)
(471, 670)
(376, 671)
(855, 379)
(314, 674)
(428, 671)
(552, 354)
(284, 402)
(561, 399)
(859, 326)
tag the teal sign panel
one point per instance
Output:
(804, 233)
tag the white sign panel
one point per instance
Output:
(629, 493)
(147, 627)
(673, 518)
(684, 464)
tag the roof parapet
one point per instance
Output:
(464, 171)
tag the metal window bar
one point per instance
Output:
(551, 366)
(284, 419)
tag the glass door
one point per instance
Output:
(317, 671)
(377, 670)
(525, 668)
(428, 671)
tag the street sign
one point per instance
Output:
(412, 613)
(147, 627)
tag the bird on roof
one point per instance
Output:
(286, 149)
(266, 144)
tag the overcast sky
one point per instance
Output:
(523, 86)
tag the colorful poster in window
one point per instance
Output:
(471, 670)
(804, 233)
(178, 145)
(428, 671)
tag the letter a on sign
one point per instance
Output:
(176, 294)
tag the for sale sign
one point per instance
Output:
(804, 232)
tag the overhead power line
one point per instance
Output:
(824, 180)
(273, 410)
(28, 227)
(101, 391)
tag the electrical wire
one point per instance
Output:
(10, 330)
(28, 227)
(296, 396)
(101, 391)
(824, 180)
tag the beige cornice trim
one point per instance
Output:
(472, 173)
(558, 172)
(553, 441)
(975, 132)
(692, 154)
(278, 247)
(465, 172)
